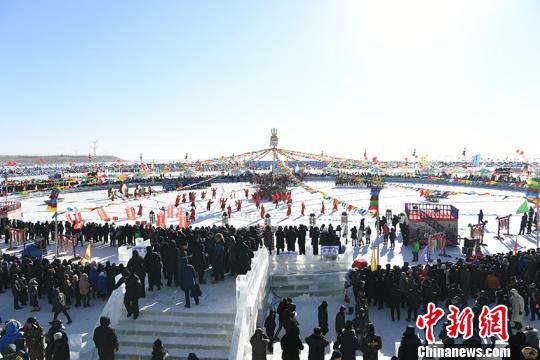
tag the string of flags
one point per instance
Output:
(350, 208)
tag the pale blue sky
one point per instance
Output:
(212, 77)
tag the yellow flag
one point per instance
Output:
(373, 260)
(87, 254)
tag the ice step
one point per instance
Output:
(314, 293)
(309, 286)
(174, 354)
(191, 313)
(160, 331)
(174, 342)
(183, 321)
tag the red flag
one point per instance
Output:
(102, 214)
(11, 163)
(170, 211)
(183, 223)
(160, 220)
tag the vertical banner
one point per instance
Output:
(102, 214)
(183, 223)
(170, 211)
(130, 212)
(160, 219)
(374, 202)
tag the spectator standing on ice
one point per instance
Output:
(317, 344)
(105, 339)
(323, 317)
(291, 345)
(259, 345)
(347, 343)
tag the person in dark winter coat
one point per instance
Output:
(59, 305)
(291, 345)
(314, 234)
(136, 266)
(188, 282)
(171, 263)
(268, 237)
(57, 342)
(198, 260)
(408, 348)
(323, 317)
(159, 352)
(132, 294)
(152, 266)
(280, 239)
(347, 343)
(270, 325)
(316, 343)
(340, 320)
(105, 339)
(371, 344)
(259, 344)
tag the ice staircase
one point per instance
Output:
(315, 283)
(207, 334)
(204, 329)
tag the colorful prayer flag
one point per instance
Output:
(524, 208)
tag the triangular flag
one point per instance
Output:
(87, 254)
(523, 208)
(373, 260)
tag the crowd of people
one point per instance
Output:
(179, 257)
(511, 279)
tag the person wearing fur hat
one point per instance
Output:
(34, 336)
(529, 353)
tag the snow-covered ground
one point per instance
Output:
(493, 202)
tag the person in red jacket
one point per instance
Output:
(229, 211)
(208, 205)
(139, 213)
(222, 201)
(177, 201)
(288, 210)
(246, 192)
(238, 205)
(335, 204)
(203, 194)
(386, 232)
(303, 208)
(262, 211)
(214, 193)
(322, 208)
(192, 214)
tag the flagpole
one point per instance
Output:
(56, 231)
(537, 230)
